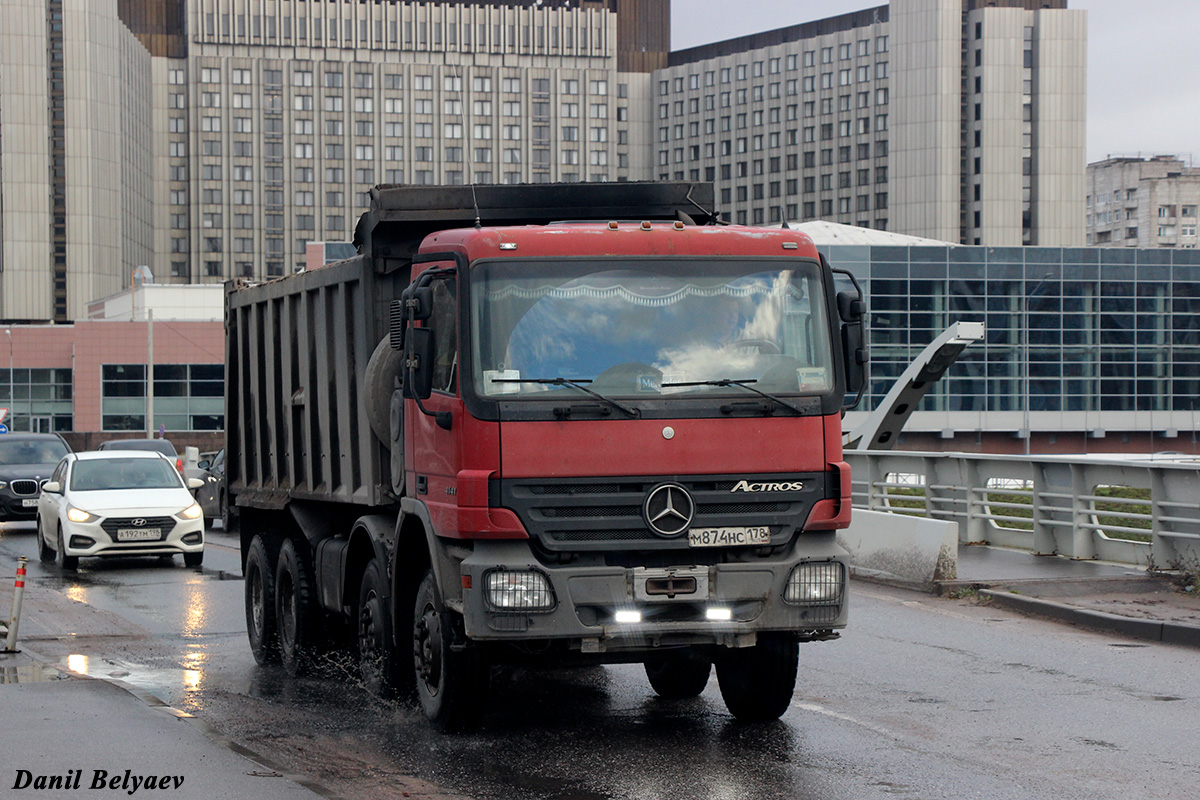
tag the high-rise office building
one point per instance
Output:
(957, 120)
(213, 139)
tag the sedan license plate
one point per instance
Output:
(728, 537)
(29, 502)
(139, 534)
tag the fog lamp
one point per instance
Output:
(518, 590)
(627, 616)
(815, 583)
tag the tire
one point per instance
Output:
(65, 562)
(193, 559)
(757, 682)
(678, 677)
(295, 610)
(376, 648)
(452, 685)
(261, 626)
(378, 381)
(45, 551)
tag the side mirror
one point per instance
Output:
(53, 487)
(418, 301)
(194, 483)
(418, 363)
(205, 464)
(852, 310)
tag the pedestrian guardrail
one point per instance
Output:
(1143, 511)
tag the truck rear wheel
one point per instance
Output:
(757, 682)
(295, 610)
(452, 685)
(376, 650)
(678, 676)
(261, 626)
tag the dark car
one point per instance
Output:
(212, 494)
(163, 446)
(26, 461)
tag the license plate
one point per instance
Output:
(139, 534)
(30, 502)
(728, 537)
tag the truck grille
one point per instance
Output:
(591, 514)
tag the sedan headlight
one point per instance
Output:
(191, 512)
(518, 590)
(3, 485)
(815, 583)
(79, 515)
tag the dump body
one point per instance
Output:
(549, 440)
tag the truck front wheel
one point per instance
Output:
(295, 610)
(452, 685)
(261, 626)
(376, 651)
(757, 682)
(678, 676)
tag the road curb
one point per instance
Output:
(1133, 627)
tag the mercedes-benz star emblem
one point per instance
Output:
(669, 509)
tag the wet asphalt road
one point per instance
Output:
(922, 698)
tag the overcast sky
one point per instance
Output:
(1143, 59)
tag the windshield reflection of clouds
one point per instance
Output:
(741, 328)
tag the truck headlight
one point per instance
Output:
(819, 582)
(518, 590)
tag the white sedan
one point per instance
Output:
(118, 503)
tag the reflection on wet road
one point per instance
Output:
(922, 698)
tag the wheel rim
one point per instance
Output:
(428, 649)
(257, 607)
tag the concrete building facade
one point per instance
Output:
(1143, 202)
(214, 139)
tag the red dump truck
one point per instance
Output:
(546, 425)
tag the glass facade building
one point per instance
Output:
(1077, 339)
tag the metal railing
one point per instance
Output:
(1143, 511)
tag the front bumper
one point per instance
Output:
(12, 507)
(99, 539)
(586, 599)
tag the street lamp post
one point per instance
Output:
(11, 398)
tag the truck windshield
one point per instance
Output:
(637, 328)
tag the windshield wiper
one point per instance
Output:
(741, 384)
(633, 412)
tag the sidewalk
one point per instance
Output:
(1121, 599)
(140, 747)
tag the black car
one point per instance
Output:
(26, 461)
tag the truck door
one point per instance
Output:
(434, 457)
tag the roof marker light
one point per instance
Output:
(612, 226)
(678, 225)
(645, 225)
(790, 245)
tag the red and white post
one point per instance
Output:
(10, 645)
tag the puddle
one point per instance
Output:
(32, 673)
(171, 685)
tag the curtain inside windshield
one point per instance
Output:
(640, 330)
